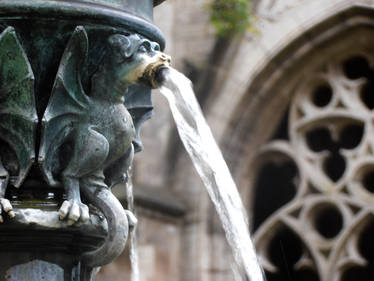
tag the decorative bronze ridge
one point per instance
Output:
(82, 13)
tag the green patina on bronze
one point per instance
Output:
(132, 15)
(17, 108)
(87, 139)
(73, 96)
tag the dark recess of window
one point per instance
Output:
(366, 242)
(368, 180)
(359, 67)
(281, 132)
(322, 95)
(334, 166)
(319, 139)
(351, 135)
(366, 249)
(367, 94)
(328, 221)
(285, 250)
(356, 67)
(275, 186)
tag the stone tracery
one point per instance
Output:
(313, 213)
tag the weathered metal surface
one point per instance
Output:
(133, 17)
(85, 137)
(23, 266)
(62, 103)
(18, 117)
(36, 245)
(38, 219)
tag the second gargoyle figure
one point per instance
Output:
(87, 139)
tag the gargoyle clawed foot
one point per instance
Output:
(74, 211)
(6, 207)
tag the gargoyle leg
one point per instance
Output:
(5, 205)
(117, 171)
(73, 208)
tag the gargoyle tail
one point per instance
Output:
(118, 226)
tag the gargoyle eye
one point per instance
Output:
(157, 47)
(142, 49)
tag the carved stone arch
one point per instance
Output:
(347, 31)
(263, 104)
(281, 89)
(239, 115)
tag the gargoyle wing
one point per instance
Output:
(139, 103)
(18, 118)
(67, 105)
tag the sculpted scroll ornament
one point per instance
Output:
(331, 146)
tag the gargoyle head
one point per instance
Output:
(137, 59)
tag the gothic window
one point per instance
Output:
(314, 188)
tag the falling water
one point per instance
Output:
(211, 166)
(134, 258)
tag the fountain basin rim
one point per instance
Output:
(81, 13)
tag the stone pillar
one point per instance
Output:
(73, 95)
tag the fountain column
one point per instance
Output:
(48, 47)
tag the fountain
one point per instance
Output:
(65, 67)
(76, 78)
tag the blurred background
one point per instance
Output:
(287, 88)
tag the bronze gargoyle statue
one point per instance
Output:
(86, 141)
(95, 130)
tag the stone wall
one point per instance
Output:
(246, 99)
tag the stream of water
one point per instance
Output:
(133, 247)
(211, 166)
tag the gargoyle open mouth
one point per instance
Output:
(153, 72)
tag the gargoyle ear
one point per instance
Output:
(121, 45)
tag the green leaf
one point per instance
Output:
(231, 16)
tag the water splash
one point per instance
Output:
(133, 247)
(211, 166)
